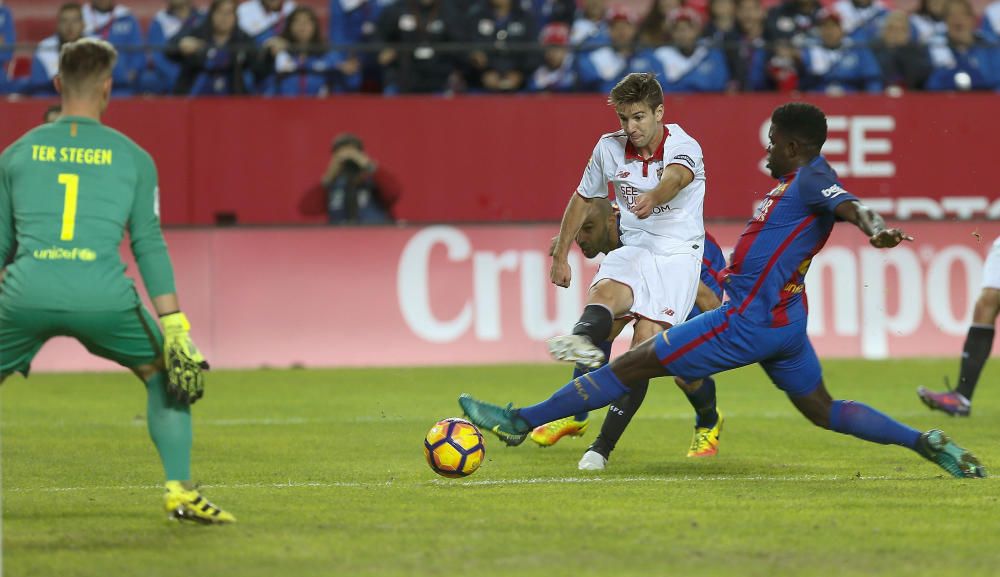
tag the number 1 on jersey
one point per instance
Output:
(72, 184)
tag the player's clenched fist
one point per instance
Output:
(184, 362)
(644, 205)
(560, 274)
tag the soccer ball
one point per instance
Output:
(454, 448)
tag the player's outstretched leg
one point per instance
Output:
(169, 423)
(864, 422)
(591, 391)
(549, 434)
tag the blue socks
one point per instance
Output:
(579, 371)
(591, 391)
(864, 422)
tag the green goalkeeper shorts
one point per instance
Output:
(130, 338)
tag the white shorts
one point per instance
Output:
(991, 269)
(663, 287)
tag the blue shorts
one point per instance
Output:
(720, 340)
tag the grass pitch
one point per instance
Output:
(325, 471)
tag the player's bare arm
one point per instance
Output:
(576, 211)
(675, 178)
(871, 223)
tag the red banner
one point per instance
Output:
(467, 294)
(519, 158)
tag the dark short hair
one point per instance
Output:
(801, 121)
(347, 139)
(635, 88)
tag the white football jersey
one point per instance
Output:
(674, 227)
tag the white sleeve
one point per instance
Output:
(687, 154)
(594, 183)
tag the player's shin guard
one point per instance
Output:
(169, 423)
(620, 414)
(864, 422)
(978, 344)
(595, 324)
(591, 391)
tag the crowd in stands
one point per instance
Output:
(276, 48)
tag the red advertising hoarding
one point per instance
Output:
(443, 295)
(518, 158)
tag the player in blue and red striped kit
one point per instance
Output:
(764, 320)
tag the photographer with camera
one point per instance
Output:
(357, 189)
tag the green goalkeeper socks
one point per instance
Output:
(169, 423)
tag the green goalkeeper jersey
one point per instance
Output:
(68, 192)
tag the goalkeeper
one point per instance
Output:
(68, 192)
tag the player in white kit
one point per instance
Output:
(978, 344)
(659, 179)
(658, 175)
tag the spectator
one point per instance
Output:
(861, 19)
(355, 189)
(905, 63)
(424, 22)
(7, 41)
(161, 72)
(688, 66)
(990, 29)
(116, 24)
(354, 22)
(263, 19)
(928, 22)
(747, 60)
(722, 29)
(45, 65)
(216, 57)
(965, 62)
(590, 28)
(52, 113)
(499, 22)
(654, 30)
(557, 73)
(723, 32)
(599, 70)
(791, 21)
(547, 11)
(299, 63)
(836, 66)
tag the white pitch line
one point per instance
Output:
(296, 421)
(480, 483)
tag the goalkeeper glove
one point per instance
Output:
(184, 363)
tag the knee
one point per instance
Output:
(987, 307)
(637, 364)
(819, 418)
(687, 387)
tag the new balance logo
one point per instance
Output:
(623, 174)
(668, 312)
